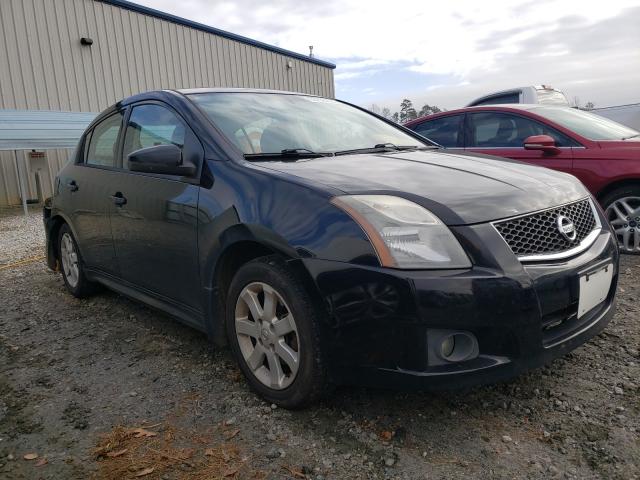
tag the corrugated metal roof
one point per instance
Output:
(206, 28)
(41, 129)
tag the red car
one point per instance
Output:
(603, 154)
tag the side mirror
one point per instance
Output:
(544, 143)
(166, 159)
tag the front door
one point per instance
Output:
(154, 224)
(503, 134)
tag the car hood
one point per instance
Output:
(460, 188)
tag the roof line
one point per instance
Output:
(216, 31)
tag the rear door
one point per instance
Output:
(503, 134)
(155, 221)
(86, 188)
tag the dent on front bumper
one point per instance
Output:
(376, 331)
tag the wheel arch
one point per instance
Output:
(54, 224)
(627, 182)
(239, 245)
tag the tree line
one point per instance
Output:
(407, 111)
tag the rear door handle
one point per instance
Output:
(119, 199)
(72, 185)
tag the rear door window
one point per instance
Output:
(503, 130)
(443, 130)
(103, 143)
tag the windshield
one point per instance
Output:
(271, 122)
(593, 127)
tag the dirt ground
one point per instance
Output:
(106, 388)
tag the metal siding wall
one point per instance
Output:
(44, 67)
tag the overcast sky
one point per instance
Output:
(446, 53)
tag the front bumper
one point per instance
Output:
(522, 315)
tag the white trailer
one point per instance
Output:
(545, 94)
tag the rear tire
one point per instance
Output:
(273, 329)
(71, 265)
(622, 209)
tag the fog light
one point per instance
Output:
(447, 346)
(450, 346)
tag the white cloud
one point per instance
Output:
(361, 64)
(479, 45)
(340, 76)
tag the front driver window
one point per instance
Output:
(151, 125)
(503, 130)
(444, 130)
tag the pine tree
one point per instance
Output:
(428, 110)
(407, 112)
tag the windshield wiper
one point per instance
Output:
(287, 153)
(631, 136)
(383, 147)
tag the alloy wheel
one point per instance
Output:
(69, 258)
(624, 216)
(267, 335)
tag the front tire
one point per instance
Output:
(71, 265)
(273, 329)
(622, 209)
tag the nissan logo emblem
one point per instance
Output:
(566, 228)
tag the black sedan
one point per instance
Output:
(327, 245)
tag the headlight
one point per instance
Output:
(404, 234)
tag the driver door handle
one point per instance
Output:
(72, 185)
(118, 199)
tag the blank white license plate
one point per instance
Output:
(594, 288)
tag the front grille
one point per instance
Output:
(538, 233)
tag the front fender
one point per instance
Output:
(215, 246)
(279, 212)
(231, 232)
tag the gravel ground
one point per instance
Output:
(78, 377)
(21, 238)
